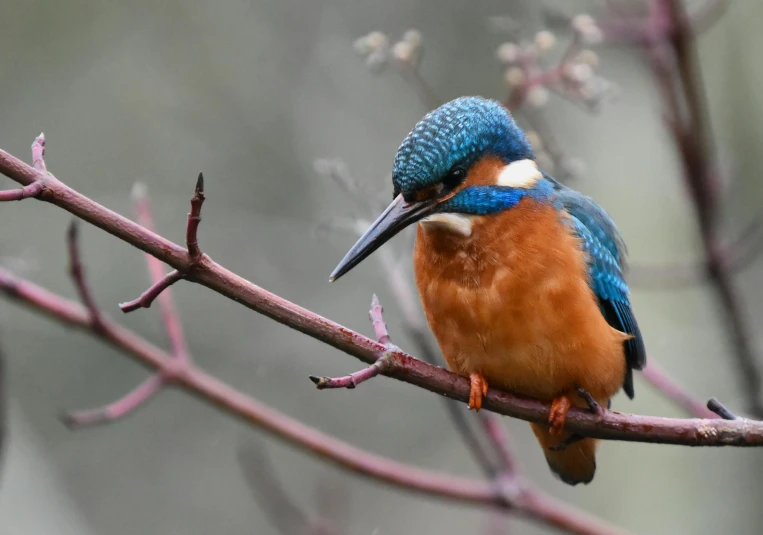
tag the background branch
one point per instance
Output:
(673, 61)
(528, 502)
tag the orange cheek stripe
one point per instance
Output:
(426, 193)
(485, 172)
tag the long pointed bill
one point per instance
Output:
(395, 218)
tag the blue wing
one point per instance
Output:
(605, 250)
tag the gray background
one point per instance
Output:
(251, 92)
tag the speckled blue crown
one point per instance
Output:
(457, 133)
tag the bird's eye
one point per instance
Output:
(454, 177)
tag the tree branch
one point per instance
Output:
(146, 299)
(194, 218)
(32, 190)
(151, 386)
(132, 400)
(172, 323)
(718, 408)
(382, 363)
(117, 409)
(77, 273)
(529, 503)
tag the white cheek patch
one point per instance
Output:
(519, 174)
(460, 224)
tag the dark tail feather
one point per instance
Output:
(575, 463)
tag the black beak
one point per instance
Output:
(395, 218)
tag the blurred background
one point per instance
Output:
(252, 92)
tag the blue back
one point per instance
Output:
(605, 251)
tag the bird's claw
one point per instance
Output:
(477, 391)
(558, 414)
(593, 406)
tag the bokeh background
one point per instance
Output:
(252, 92)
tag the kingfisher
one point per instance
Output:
(520, 277)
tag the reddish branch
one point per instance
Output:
(77, 273)
(132, 400)
(146, 299)
(194, 218)
(381, 364)
(527, 502)
(170, 315)
(32, 190)
(376, 316)
(354, 379)
(116, 409)
(152, 385)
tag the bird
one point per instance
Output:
(521, 278)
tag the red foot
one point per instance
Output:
(478, 390)
(558, 414)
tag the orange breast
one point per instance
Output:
(512, 302)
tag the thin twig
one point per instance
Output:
(172, 323)
(38, 153)
(718, 408)
(375, 315)
(147, 298)
(32, 190)
(77, 273)
(117, 409)
(151, 386)
(139, 395)
(194, 218)
(354, 379)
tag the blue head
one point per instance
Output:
(452, 138)
(431, 173)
